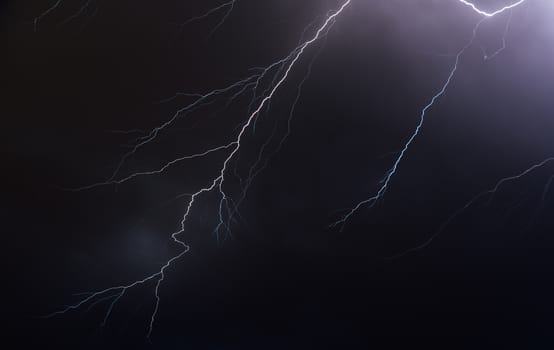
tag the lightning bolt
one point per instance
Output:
(216, 184)
(373, 200)
(279, 73)
(227, 9)
(494, 13)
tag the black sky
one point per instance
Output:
(283, 280)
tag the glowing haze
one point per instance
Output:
(262, 84)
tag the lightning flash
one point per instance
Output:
(261, 87)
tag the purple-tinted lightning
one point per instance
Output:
(261, 86)
(494, 13)
(372, 201)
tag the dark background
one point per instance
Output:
(283, 280)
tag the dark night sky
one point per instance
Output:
(284, 280)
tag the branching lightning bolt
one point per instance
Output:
(372, 201)
(217, 183)
(227, 7)
(494, 13)
(278, 74)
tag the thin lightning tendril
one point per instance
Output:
(474, 200)
(215, 184)
(372, 201)
(488, 57)
(45, 13)
(80, 11)
(226, 7)
(491, 14)
(278, 74)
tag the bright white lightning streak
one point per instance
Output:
(202, 100)
(217, 182)
(494, 13)
(256, 168)
(372, 201)
(153, 134)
